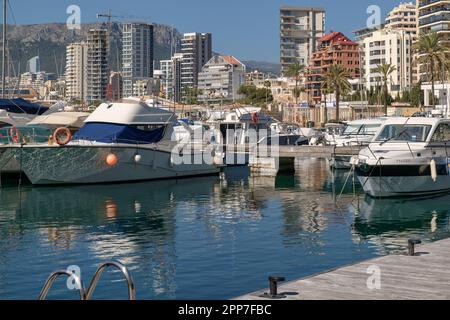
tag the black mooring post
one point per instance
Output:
(273, 285)
(411, 244)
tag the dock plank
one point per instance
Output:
(424, 276)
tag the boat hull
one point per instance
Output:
(44, 165)
(405, 180)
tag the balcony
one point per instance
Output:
(433, 19)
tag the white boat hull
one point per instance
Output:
(404, 185)
(44, 165)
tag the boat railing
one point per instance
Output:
(119, 266)
(54, 276)
(78, 284)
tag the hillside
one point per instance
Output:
(49, 42)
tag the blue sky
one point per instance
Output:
(248, 29)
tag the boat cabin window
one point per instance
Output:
(370, 129)
(442, 133)
(351, 129)
(147, 127)
(407, 132)
(365, 129)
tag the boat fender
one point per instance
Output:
(111, 160)
(433, 170)
(137, 158)
(62, 136)
(14, 132)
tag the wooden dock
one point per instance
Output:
(401, 277)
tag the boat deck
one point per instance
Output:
(425, 275)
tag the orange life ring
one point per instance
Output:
(14, 132)
(62, 136)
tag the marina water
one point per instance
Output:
(203, 238)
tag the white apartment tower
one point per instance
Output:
(391, 47)
(300, 28)
(197, 51)
(220, 79)
(404, 17)
(171, 77)
(391, 43)
(97, 65)
(434, 16)
(137, 54)
(75, 73)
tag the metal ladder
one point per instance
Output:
(87, 294)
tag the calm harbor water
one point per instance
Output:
(202, 238)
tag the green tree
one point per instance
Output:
(386, 70)
(190, 95)
(432, 51)
(255, 96)
(295, 72)
(416, 95)
(337, 80)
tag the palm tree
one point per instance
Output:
(385, 69)
(325, 91)
(295, 72)
(267, 85)
(336, 80)
(432, 52)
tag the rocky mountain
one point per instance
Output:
(49, 41)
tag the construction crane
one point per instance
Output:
(107, 15)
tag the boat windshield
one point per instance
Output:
(407, 132)
(365, 129)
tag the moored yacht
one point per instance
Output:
(357, 133)
(408, 157)
(120, 142)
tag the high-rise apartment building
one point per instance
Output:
(300, 28)
(390, 43)
(34, 65)
(171, 77)
(75, 73)
(166, 67)
(391, 47)
(403, 17)
(434, 16)
(220, 79)
(334, 49)
(197, 51)
(137, 54)
(97, 64)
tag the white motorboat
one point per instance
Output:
(120, 142)
(408, 157)
(15, 112)
(357, 133)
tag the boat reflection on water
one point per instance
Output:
(221, 235)
(133, 223)
(388, 223)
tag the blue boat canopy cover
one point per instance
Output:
(117, 133)
(21, 106)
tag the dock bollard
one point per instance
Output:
(411, 244)
(273, 288)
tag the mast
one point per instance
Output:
(4, 50)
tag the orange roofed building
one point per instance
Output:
(333, 48)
